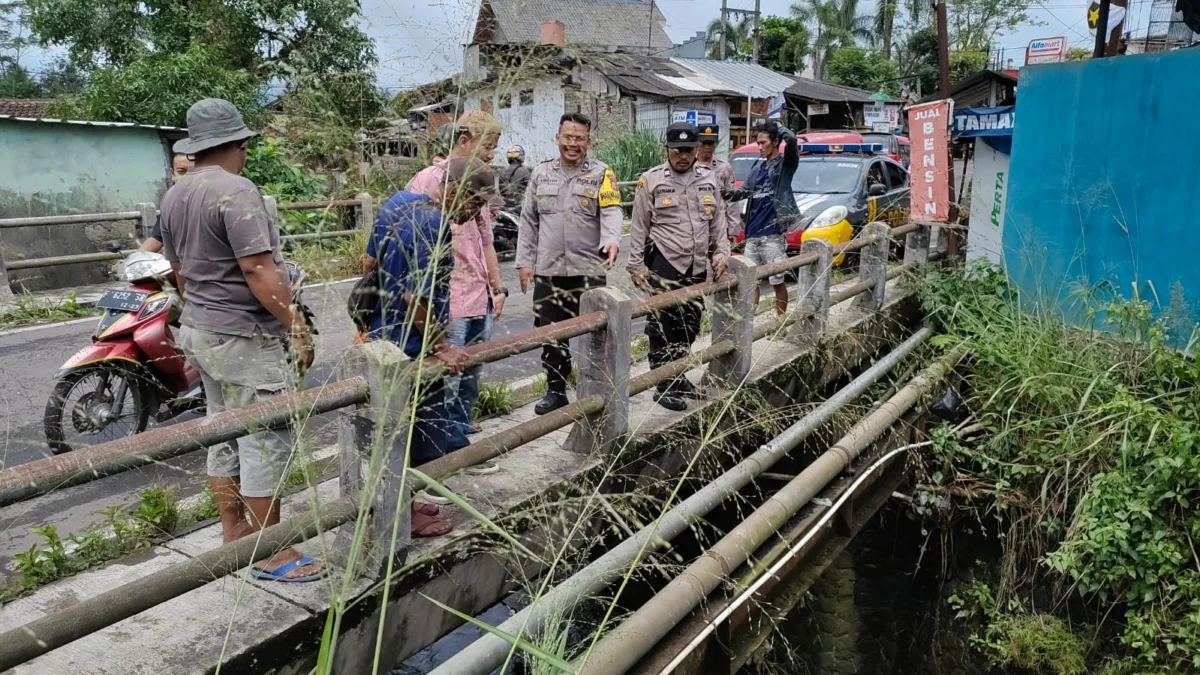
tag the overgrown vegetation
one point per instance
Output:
(495, 398)
(630, 155)
(1089, 470)
(120, 532)
(333, 259)
(29, 310)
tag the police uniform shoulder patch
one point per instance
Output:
(641, 182)
(609, 194)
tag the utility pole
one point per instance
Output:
(1101, 31)
(943, 39)
(724, 25)
(943, 46)
(756, 15)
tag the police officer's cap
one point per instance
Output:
(682, 135)
(709, 133)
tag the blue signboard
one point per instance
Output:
(994, 125)
(695, 117)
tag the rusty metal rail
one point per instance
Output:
(41, 476)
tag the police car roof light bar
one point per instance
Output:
(846, 148)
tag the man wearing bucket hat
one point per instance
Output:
(706, 155)
(677, 231)
(237, 314)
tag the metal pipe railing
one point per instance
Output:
(55, 261)
(70, 219)
(322, 204)
(41, 476)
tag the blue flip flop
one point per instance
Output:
(278, 573)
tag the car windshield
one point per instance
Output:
(827, 175)
(886, 140)
(742, 163)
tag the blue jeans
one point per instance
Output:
(463, 390)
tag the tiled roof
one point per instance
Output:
(815, 90)
(23, 107)
(607, 24)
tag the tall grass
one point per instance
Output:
(1090, 465)
(630, 155)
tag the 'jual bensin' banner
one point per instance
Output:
(929, 131)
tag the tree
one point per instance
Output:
(271, 38)
(885, 23)
(65, 78)
(974, 24)
(1078, 53)
(739, 39)
(159, 88)
(783, 44)
(836, 23)
(858, 67)
(15, 82)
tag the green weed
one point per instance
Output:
(630, 155)
(1090, 455)
(494, 399)
(332, 259)
(29, 311)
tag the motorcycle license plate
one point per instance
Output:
(122, 301)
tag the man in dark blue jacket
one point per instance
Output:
(772, 206)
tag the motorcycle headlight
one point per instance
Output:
(831, 216)
(155, 306)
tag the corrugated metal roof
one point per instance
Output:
(91, 123)
(654, 76)
(815, 90)
(740, 76)
(622, 24)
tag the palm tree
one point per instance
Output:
(739, 39)
(885, 22)
(836, 24)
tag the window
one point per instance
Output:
(526, 97)
(897, 176)
(875, 175)
(504, 101)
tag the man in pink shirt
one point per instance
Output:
(477, 293)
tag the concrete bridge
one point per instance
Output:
(610, 484)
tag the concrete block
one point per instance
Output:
(916, 246)
(733, 319)
(872, 265)
(366, 211)
(145, 224)
(605, 372)
(813, 297)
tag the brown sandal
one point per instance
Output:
(425, 525)
(426, 509)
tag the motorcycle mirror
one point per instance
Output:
(113, 246)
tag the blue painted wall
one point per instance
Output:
(1105, 184)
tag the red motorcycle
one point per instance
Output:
(131, 371)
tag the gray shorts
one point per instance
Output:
(766, 250)
(237, 371)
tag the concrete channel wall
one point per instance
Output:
(259, 627)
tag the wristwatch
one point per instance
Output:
(503, 290)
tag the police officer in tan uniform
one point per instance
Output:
(570, 232)
(678, 232)
(706, 155)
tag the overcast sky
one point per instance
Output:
(418, 43)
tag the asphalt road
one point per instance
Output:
(29, 358)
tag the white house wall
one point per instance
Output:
(655, 115)
(533, 127)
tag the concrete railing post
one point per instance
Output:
(604, 372)
(366, 211)
(872, 265)
(145, 223)
(813, 299)
(916, 245)
(272, 208)
(733, 319)
(373, 439)
(6, 297)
